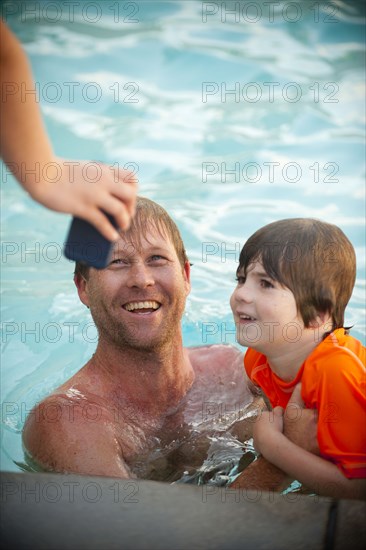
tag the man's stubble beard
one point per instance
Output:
(127, 335)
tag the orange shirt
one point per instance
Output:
(333, 381)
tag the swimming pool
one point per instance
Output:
(233, 115)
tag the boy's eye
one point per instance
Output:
(240, 279)
(266, 284)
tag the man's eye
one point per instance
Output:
(118, 261)
(240, 280)
(157, 258)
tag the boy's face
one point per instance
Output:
(265, 313)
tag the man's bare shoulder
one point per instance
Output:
(223, 363)
(216, 356)
(58, 434)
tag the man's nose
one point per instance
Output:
(140, 276)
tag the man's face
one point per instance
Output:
(138, 300)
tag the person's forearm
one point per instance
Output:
(59, 184)
(24, 141)
(261, 475)
(316, 473)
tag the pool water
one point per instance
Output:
(231, 121)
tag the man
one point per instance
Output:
(141, 391)
(144, 406)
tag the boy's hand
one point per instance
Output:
(300, 424)
(84, 189)
(267, 427)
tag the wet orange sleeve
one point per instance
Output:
(335, 384)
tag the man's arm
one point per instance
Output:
(261, 475)
(62, 438)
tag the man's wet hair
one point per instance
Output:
(149, 216)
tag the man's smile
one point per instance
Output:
(147, 306)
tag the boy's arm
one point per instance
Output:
(301, 429)
(317, 474)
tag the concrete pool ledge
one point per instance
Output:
(53, 511)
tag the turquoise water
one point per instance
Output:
(148, 84)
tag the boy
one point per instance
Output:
(295, 278)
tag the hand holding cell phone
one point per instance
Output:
(90, 238)
(85, 244)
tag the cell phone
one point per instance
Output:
(85, 244)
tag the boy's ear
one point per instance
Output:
(322, 318)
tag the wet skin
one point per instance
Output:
(141, 391)
(143, 406)
(102, 431)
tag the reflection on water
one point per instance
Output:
(212, 449)
(230, 123)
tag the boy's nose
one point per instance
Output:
(243, 294)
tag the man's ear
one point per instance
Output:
(81, 284)
(187, 276)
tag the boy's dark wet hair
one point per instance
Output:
(314, 259)
(149, 215)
